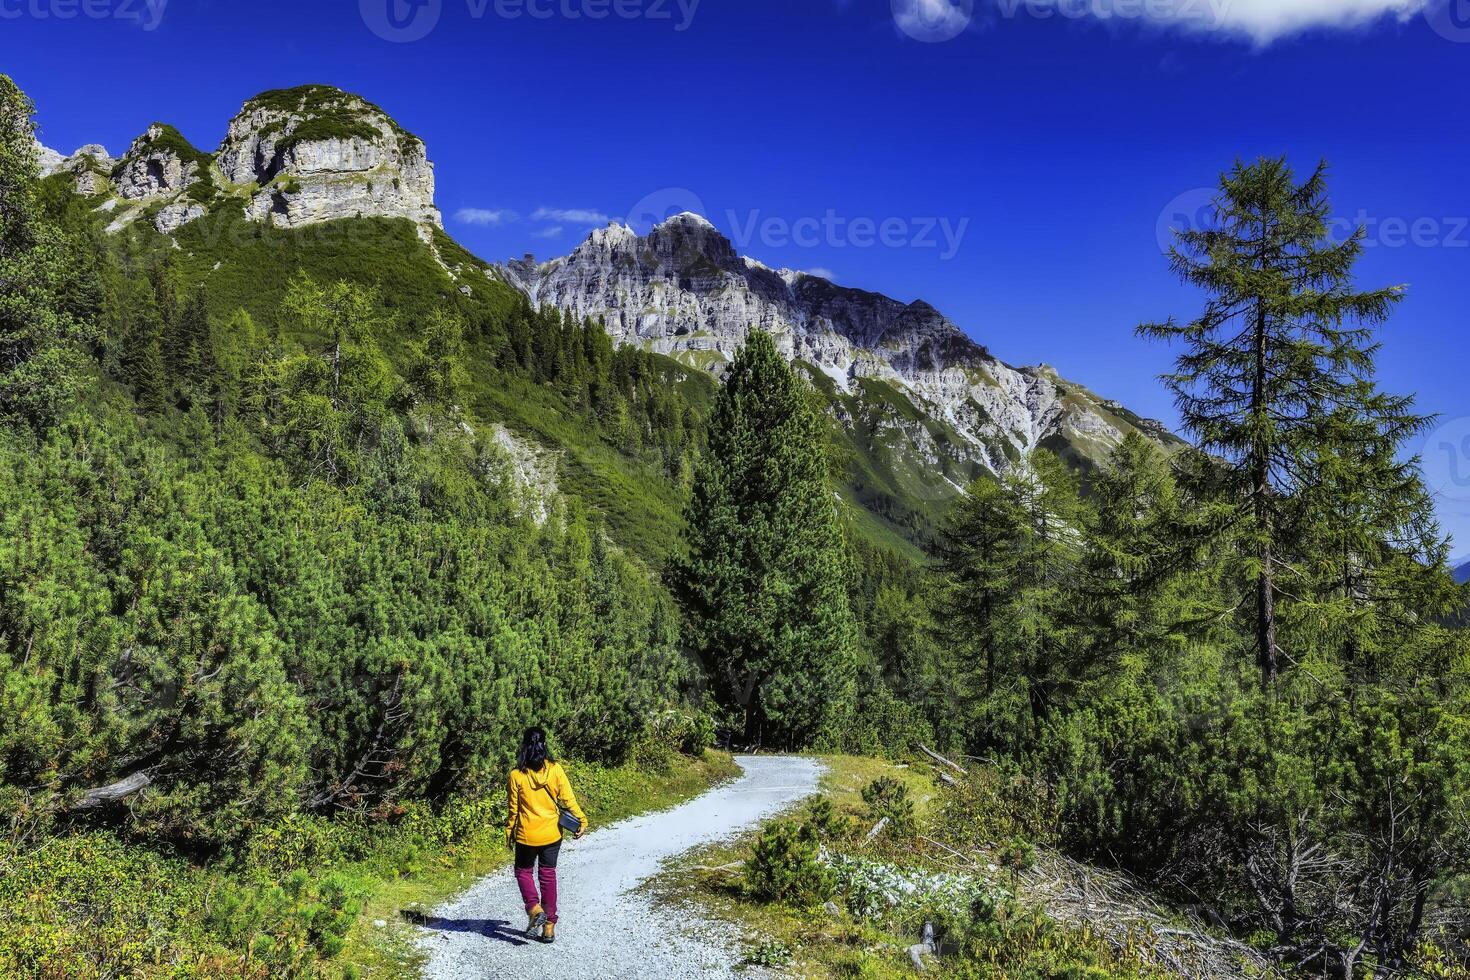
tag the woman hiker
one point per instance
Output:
(542, 806)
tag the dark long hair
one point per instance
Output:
(533, 753)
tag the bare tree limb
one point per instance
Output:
(113, 792)
(941, 759)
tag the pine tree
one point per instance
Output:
(1010, 555)
(764, 582)
(191, 341)
(1373, 572)
(978, 557)
(40, 343)
(166, 306)
(325, 410)
(140, 360)
(1139, 566)
(1277, 369)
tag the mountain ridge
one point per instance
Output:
(902, 378)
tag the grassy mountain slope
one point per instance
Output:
(247, 265)
(894, 499)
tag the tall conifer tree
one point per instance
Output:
(764, 582)
(1010, 554)
(40, 344)
(1277, 370)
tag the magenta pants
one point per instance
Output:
(537, 865)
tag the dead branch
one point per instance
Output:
(113, 792)
(941, 759)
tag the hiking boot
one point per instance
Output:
(548, 932)
(537, 920)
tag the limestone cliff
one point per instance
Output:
(911, 388)
(290, 158)
(317, 153)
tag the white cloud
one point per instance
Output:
(933, 20)
(551, 232)
(483, 216)
(1262, 21)
(821, 273)
(571, 216)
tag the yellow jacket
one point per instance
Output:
(533, 814)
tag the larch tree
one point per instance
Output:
(1010, 555)
(1276, 372)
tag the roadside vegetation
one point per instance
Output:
(307, 897)
(851, 884)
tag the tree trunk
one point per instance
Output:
(336, 371)
(1266, 617)
(753, 724)
(1261, 498)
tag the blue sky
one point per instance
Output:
(1009, 161)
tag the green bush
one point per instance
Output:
(1001, 802)
(677, 730)
(1016, 856)
(887, 797)
(786, 866)
(998, 937)
(826, 822)
(88, 905)
(653, 756)
(698, 733)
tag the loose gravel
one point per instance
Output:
(608, 930)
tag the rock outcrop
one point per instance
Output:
(174, 216)
(48, 159)
(90, 166)
(906, 382)
(290, 157)
(317, 154)
(159, 162)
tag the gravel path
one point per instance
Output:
(607, 929)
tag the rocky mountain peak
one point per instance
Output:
(900, 374)
(290, 157)
(91, 167)
(48, 159)
(318, 153)
(693, 244)
(159, 162)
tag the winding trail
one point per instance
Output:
(608, 931)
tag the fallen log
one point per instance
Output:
(113, 792)
(941, 759)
